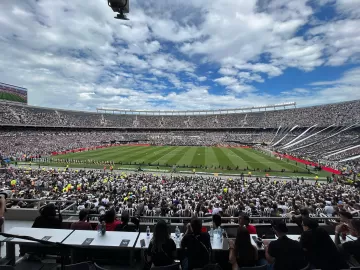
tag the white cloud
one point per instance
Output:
(349, 7)
(271, 70)
(144, 47)
(90, 59)
(248, 77)
(170, 63)
(132, 60)
(241, 88)
(350, 78)
(341, 39)
(226, 80)
(228, 71)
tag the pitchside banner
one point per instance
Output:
(13, 93)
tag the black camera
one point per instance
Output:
(121, 7)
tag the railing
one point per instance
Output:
(209, 218)
(72, 207)
(71, 211)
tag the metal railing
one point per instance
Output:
(72, 207)
(209, 218)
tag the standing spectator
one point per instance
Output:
(83, 223)
(244, 220)
(284, 253)
(162, 248)
(196, 246)
(242, 252)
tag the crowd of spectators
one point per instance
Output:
(242, 199)
(174, 195)
(23, 143)
(339, 114)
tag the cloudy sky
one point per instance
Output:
(172, 54)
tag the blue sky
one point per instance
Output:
(172, 54)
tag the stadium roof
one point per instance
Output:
(192, 112)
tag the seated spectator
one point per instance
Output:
(110, 220)
(83, 223)
(242, 252)
(216, 209)
(345, 217)
(162, 248)
(303, 213)
(216, 221)
(124, 226)
(196, 246)
(284, 253)
(48, 218)
(244, 220)
(349, 248)
(319, 248)
(329, 209)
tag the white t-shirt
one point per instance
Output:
(216, 210)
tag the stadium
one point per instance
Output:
(229, 141)
(168, 139)
(253, 146)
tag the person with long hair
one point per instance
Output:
(242, 252)
(162, 248)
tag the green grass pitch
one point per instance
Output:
(210, 158)
(11, 97)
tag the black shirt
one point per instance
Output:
(197, 249)
(48, 222)
(123, 227)
(163, 256)
(321, 251)
(288, 254)
(247, 259)
(353, 248)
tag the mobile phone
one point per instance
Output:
(142, 243)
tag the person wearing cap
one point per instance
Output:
(82, 224)
(284, 252)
